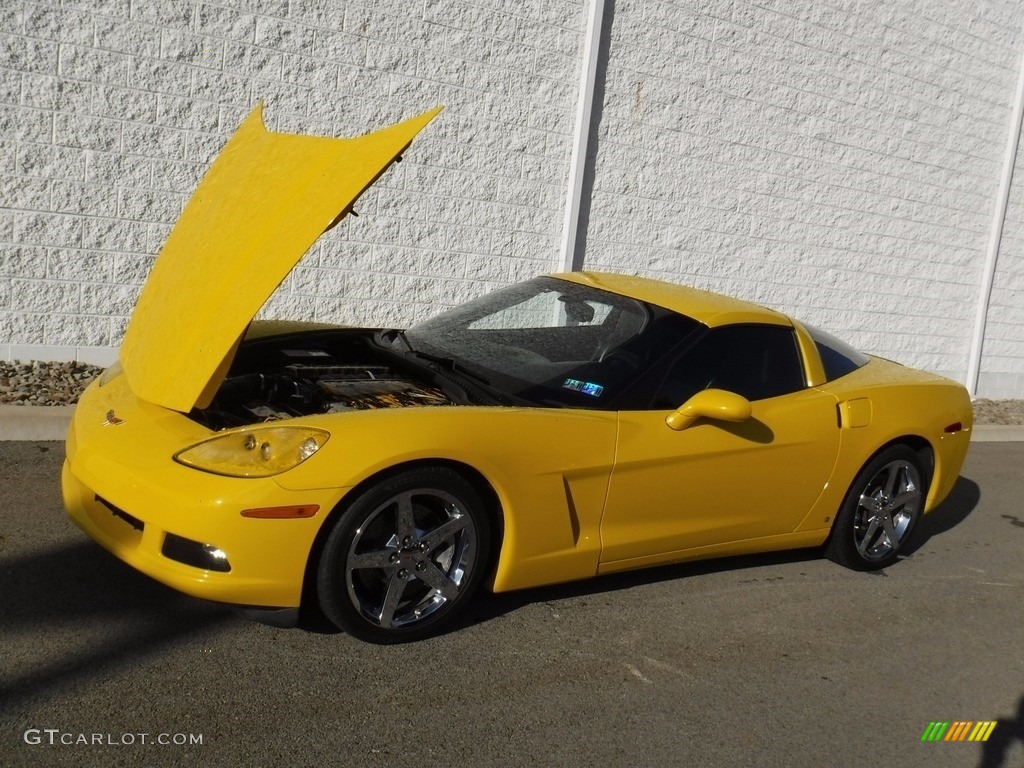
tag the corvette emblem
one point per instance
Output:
(112, 420)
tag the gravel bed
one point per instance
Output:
(1005, 412)
(41, 383)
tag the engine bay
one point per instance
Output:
(317, 372)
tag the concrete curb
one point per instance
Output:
(35, 422)
(992, 433)
(41, 422)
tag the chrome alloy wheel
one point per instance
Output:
(410, 556)
(888, 503)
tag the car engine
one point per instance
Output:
(317, 372)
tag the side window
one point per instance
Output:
(756, 361)
(837, 357)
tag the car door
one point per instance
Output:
(717, 482)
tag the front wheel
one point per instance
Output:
(405, 557)
(880, 511)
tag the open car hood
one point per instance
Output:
(262, 204)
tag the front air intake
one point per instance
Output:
(119, 513)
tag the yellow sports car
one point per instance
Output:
(565, 427)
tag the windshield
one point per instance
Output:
(553, 342)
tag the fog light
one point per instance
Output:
(194, 553)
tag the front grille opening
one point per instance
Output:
(194, 553)
(119, 513)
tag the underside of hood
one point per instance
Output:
(262, 204)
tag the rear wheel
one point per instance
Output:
(406, 556)
(880, 511)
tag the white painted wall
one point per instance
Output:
(108, 118)
(833, 159)
(839, 161)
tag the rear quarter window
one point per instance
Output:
(837, 357)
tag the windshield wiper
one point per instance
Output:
(399, 334)
(450, 364)
(447, 363)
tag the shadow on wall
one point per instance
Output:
(593, 136)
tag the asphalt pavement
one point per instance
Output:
(782, 660)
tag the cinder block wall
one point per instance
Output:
(109, 116)
(838, 161)
(833, 160)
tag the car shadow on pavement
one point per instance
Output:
(493, 606)
(962, 500)
(488, 606)
(74, 613)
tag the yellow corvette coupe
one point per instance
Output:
(564, 427)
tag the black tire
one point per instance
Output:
(405, 557)
(880, 511)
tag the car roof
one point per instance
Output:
(711, 309)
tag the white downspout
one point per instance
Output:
(995, 237)
(584, 108)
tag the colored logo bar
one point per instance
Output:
(958, 730)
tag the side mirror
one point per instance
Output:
(711, 404)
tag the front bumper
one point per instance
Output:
(122, 486)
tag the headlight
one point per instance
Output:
(254, 452)
(110, 374)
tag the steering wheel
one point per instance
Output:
(612, 357)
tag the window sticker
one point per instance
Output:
(586, 387)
